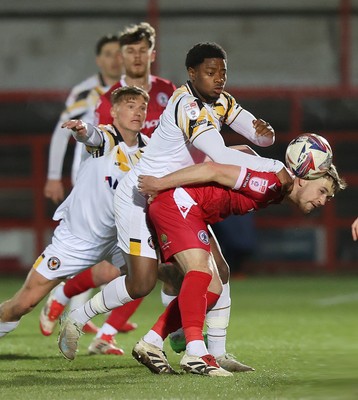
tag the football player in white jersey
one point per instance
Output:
(189, 129)
(80, 104)
(86, 233)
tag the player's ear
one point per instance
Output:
(153, 56)
(191, 73)
(113, 112)
(301, 182)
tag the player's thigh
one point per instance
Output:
(194, 260)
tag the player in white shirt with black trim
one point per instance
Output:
(189, 129)
(86, 234)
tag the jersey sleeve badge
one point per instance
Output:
(192, 110)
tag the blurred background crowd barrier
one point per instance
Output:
(294, 64)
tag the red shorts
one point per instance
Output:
(178, 228)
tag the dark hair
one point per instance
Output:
(135, 33)
(128, 92)
(104, 40)
(200, 51)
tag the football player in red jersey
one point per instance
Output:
(137, 50)
(180, 217)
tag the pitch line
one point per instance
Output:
(346, 298)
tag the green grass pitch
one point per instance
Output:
(301, 335)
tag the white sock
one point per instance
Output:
(80, 299)
(60, 296)
(6, 327)
(154, 339)
(196, 348)
(106, 329)
(217, 320)
(166, 298)
(112, 296)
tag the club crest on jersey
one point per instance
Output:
(192, 110)
(53, 263)
(258, 184)
(162, 99)
(203, 237)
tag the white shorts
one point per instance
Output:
(68, 255)
(134, 235)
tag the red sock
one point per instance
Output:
(120, 315)
(211, 299)
(169, 321)
(79, 284)
(192, 303)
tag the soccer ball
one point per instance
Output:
(309, 156)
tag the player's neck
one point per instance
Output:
(143, 82)
(109, 81)
(130, 137)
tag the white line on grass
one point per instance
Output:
(331, 301)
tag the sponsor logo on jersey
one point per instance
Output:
(203, 237)
(258, 184)
(112, 183)
(246, 180)
(198, 123)
(53, 263)
(162, 99)
(192, 110)
(151, 124)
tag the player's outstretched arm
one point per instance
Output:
(84, 132)
(355, 230)
(223, 174)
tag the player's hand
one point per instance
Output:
(76, 125)
(263, 128)
(54, 190)
(148, 185)
(355, 230)
(286, 180)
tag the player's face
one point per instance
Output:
(109, 61)
(137, 58)
(129, 114)
(313, 194)
(209, 78)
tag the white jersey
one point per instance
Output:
(80, 104)
(88, 210)
(188, 131)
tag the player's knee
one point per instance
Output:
(107, 274)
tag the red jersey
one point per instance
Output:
(180, 216)
(160, 92)
(217, 202)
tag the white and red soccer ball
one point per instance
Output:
(309, 156)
